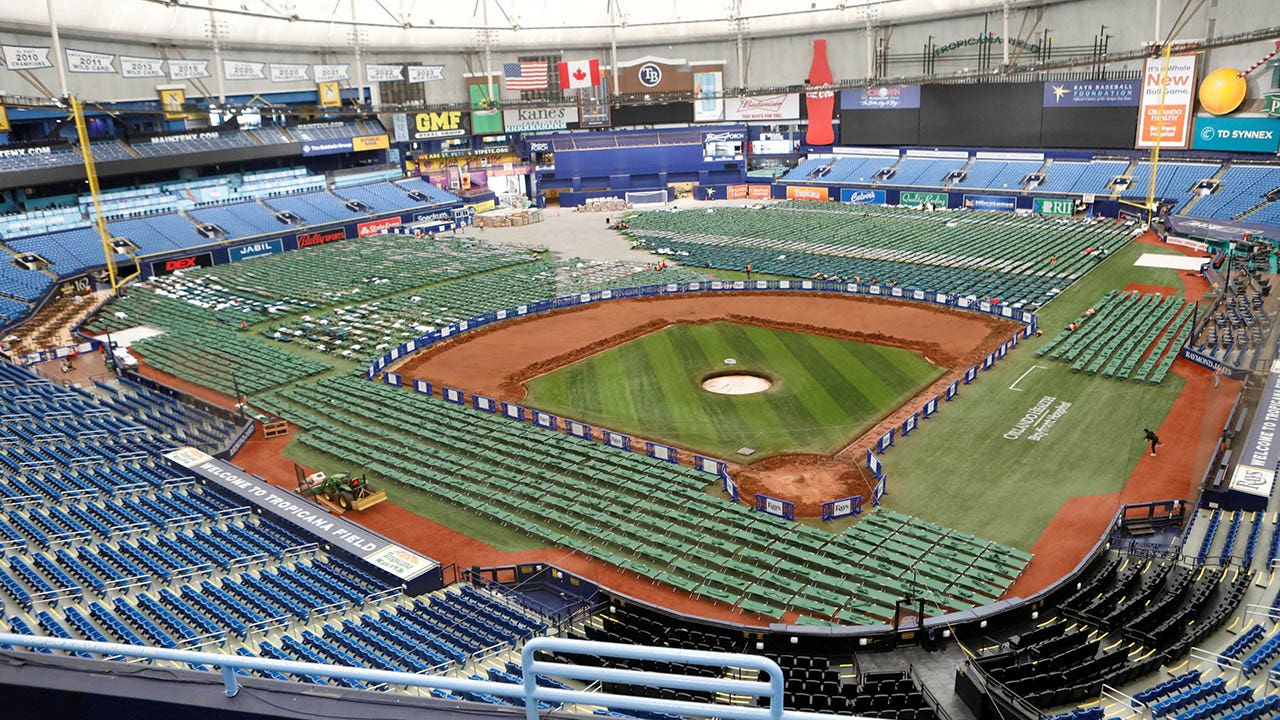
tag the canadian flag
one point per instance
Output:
(580, 74)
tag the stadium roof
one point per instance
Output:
(417, 25)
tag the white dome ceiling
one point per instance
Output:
(431, 25)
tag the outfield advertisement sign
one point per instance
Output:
(1261, 451)
(376, 227)
(305, 240)
(1055, 206)
(1237, 134)
(1092, 93)
(889, 97)
(862, 197)
(996, 203)
(916, 198)
(1164, 117)
(256, 250)
(804, 192)
(172, 265)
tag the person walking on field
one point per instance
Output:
(1217, 375)
(1153, 439)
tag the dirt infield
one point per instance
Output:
(496, 361)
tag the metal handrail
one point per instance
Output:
(529, 691)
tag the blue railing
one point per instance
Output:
(529, 692)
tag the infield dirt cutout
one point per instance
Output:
(495, 361)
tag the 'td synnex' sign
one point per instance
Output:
(1237, 134)
(447, 123)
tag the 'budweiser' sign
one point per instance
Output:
(764, 107)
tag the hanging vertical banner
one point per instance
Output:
(80, 61)
(708, 106)
(4, 120)
(425, 73)
(138, 67)
(1169, 125)
(329, 73)
(171, 102)
(383, 73)
(329, 94)
(484, 119)
(188, 69)
(243, 70)
(23, 57)
(288, 73)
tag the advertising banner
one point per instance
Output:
(364, 143)
(1172, 130)
(995, 203)
(484, 121)
(171, 102)
(916, 198)
(306, 240)
(447, 123)
(165, 267)
(79, 61)
(256, 250)
(1055, 206)
(1092, 93)
(724, 146)
(802, 192)
(708, 106)
(329, 94)
(1271, 104)
(138, 67)
(532, 119)
(735, 192)
(759, 192)
(330, 147)
(862, 197)
(1237, 134)
(763, 107)
(889, 97)
(376, 227)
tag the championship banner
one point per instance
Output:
(24, 57)
(425, 73)
(708, 106)
(138, 67)
(329, 73)
(188, 69)
(329, 94)
(171, 102)
(243, 70)
(288, 73)
(1172, 130)
(383, 73)
(79, 61)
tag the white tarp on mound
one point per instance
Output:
(1173, 262)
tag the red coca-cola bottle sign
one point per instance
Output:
(821, 104)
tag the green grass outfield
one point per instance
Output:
(825, 392)
(958, 469)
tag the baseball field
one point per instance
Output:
(824, 391)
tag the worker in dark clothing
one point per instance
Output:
(1153, 439)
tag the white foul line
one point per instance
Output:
(1028, 372)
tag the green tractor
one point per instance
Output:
(349, 492)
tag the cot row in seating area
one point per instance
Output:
(578, 275)
(363, 332)
(645, 516)
(987, 255)
(1129, 335)
(226, 361)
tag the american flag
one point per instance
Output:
(525, 75)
